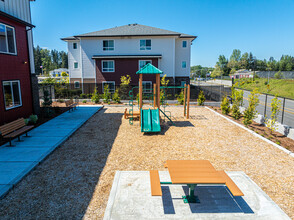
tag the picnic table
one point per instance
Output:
(192, 172)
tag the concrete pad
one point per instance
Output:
(12, 172)
(22, 154)
(4, 189)
(51, 132)
(130, 198)
(36, 142)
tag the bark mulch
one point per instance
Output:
(75, 181)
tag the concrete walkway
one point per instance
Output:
(18, 161)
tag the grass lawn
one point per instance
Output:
(280, 87)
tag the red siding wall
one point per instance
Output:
(13, 67)
(123, 67)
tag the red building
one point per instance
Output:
(17, 78)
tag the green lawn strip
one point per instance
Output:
(280, 87)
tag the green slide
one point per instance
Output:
(150, 121)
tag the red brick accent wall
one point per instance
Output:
(13, 67)
(127, 66)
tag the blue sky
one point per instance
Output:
(263, 27)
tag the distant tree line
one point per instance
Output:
(49, 60)
(246, 60)
(200, 71)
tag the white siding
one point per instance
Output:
(17, 8)
(183, 54)
(74, 55)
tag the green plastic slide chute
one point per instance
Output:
(150, 121)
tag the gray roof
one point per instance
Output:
(131, 30)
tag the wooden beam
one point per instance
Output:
(188, 102)
(158, 90)
(154, 95)
(185, 94)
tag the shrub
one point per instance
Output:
(83, 96)
(201, 98)
(33, 119)
(237, 98)
(47, 99)
(60, 100)
(124, 86)
(96, 96)
(275, 109)
(84, 101)
(251, 111)
(279, 75)
(225, 106)
(106, 94)
(116, 97)
(27, 120)
(180, 98)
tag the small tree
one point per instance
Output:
(106, 94)
(116, 97)
(95, 96)
(225, 106)
(237, 98)
(251, 111)
(180, 98)
(164, 82)
(124, 86)
(201, 98)
(275, 109)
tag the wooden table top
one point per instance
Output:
(193, 172)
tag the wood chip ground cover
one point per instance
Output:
(75, 181)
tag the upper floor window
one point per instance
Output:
(145, 44)
(76, 65)
(75, 45)
(108, 45)
(184, 64)
(184, 43)
(7, 39)
(107, 66)
(142, 63)
(12, 94)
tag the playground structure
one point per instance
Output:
(149, 118)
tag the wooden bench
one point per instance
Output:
(14, 129)
(230, 184)
(155, 183)
(71, 104)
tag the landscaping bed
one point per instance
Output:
(264, 131)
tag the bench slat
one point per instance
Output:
(19, 132)
(12, 126)
(155, 183)
(231, 185)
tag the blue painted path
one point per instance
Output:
(18, 161)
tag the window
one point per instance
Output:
(77, 84)
(75, 45)
(7, 39)
(111, 86)
(76, 65)
(12, 95)
(147, 87)
(142, 63)
(183, 83)
(184, 43)
(107, 66)
(184, 64)
(108, 45)
(145, 44)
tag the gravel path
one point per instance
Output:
(74, 182)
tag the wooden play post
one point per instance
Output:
(154, 95)
(185, 94)
(158, 90)
(140, 94)
(188, 101)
